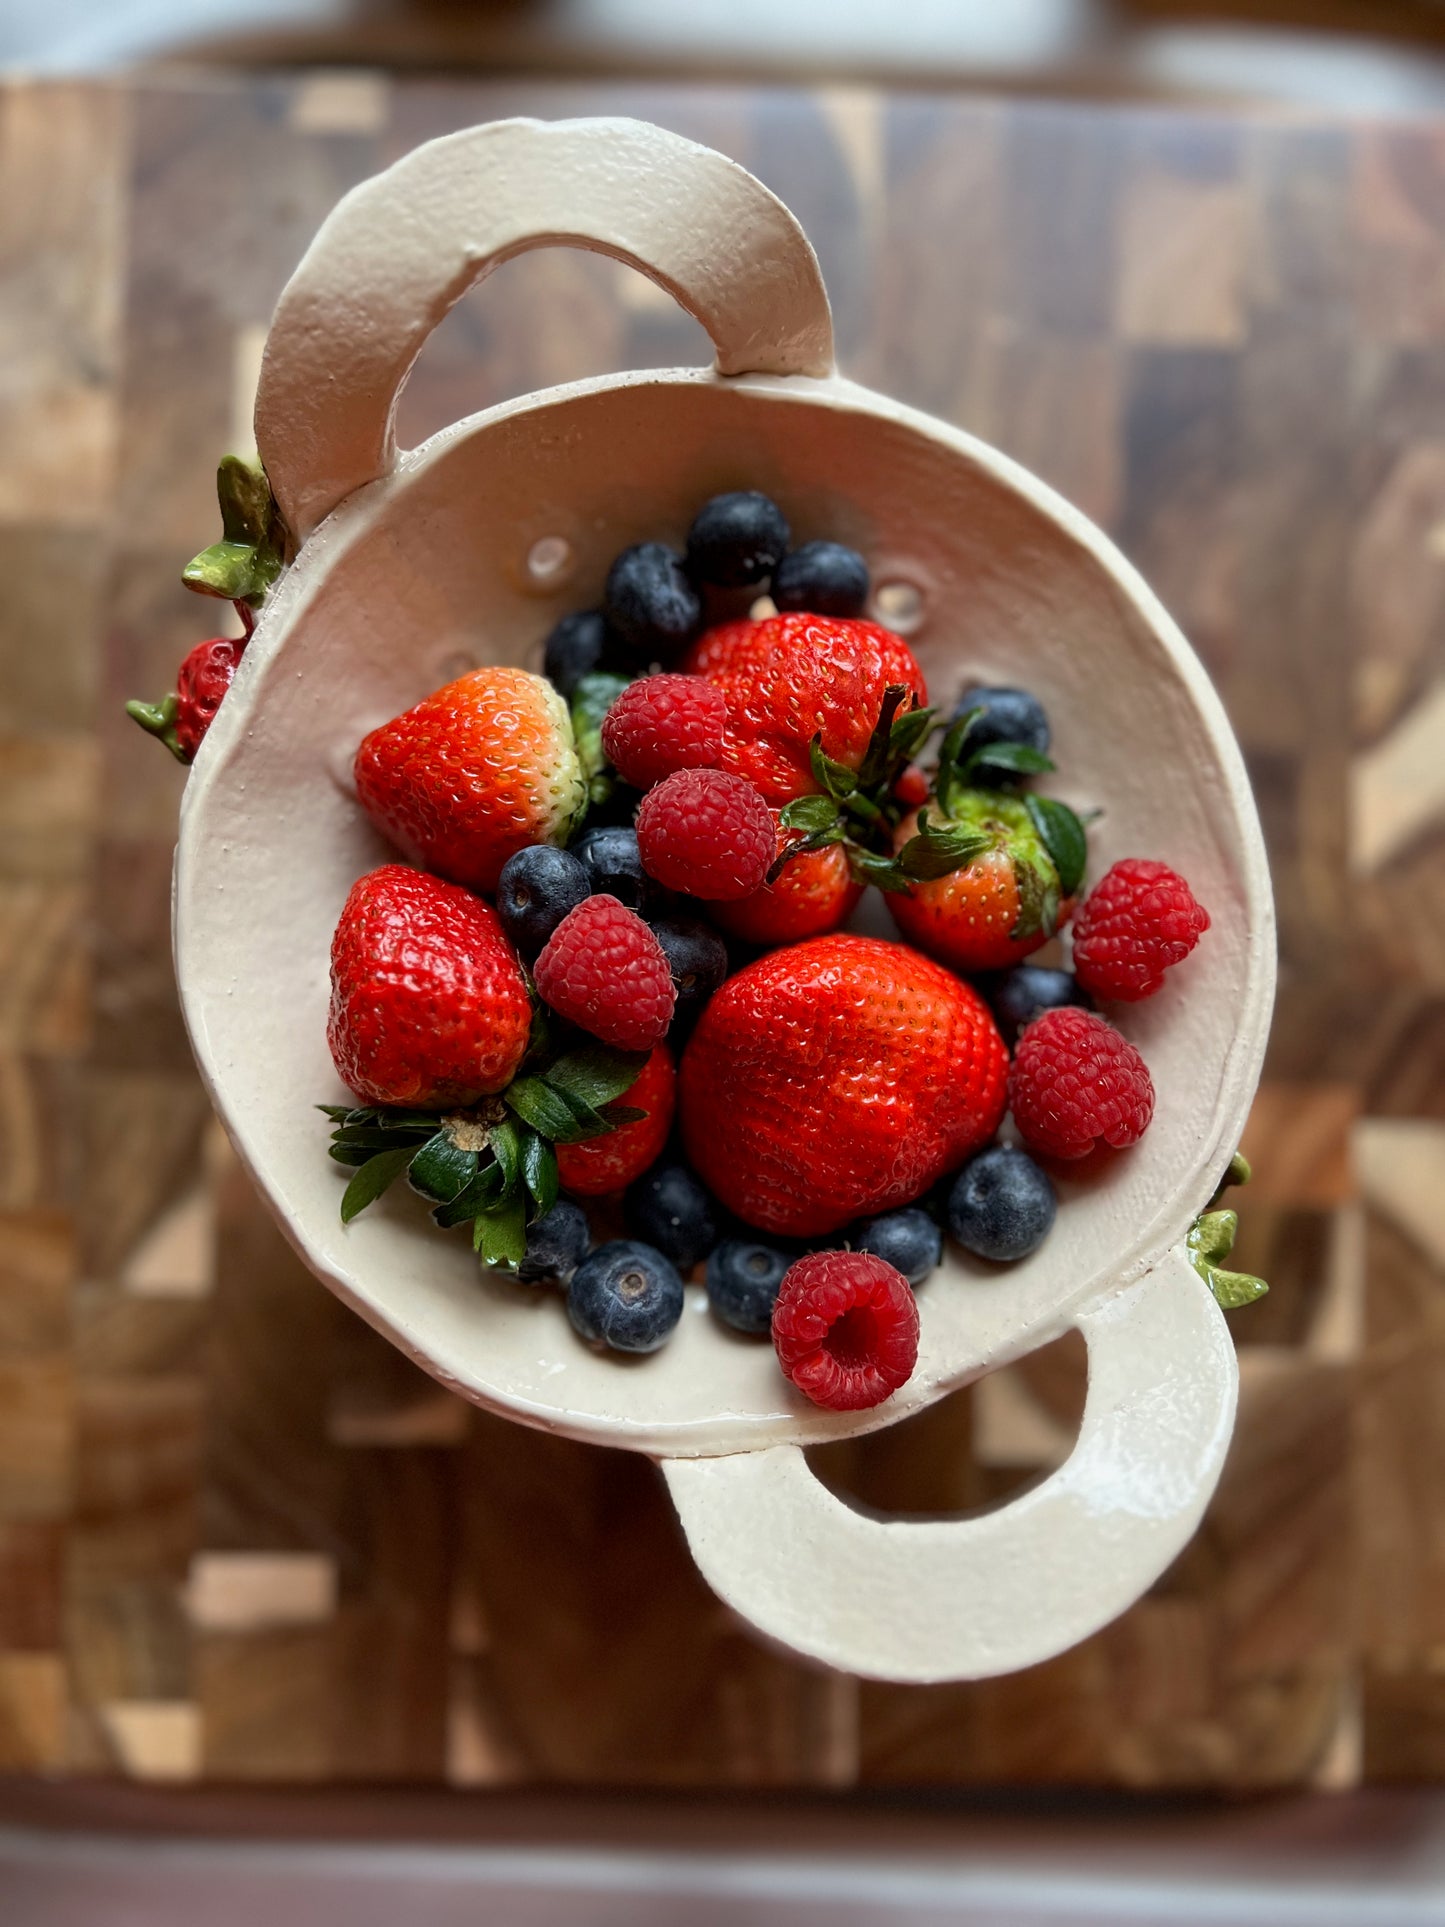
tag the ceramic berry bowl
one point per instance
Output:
(394, 571)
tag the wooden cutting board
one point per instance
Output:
(239, 1537)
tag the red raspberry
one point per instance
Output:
(708, 834)
(1076, 1082)
(845, 1328)
(603, 968)
(1138, 920)
(662, 724)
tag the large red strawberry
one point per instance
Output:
(793, 677)
(429, 1007)
(473, 773)
(1001, 905)
(812, 894)
(835, 1079)
(601, 1164)
(182, 719)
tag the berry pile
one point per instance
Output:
(613, 966)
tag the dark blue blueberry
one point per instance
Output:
(614, 864)
(671, 1208)
(736, 539)
(536, 889)
(742, 1283)
(825, 578)
(908, 1240)
(579, 646)
(649, 601)
(696, 956)
(626, 1296)
(1019, 995)
(1009, 716)
(1002, 1205)
(556, 1245)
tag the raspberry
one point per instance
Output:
(845, 1328)
(1076, 1082)
(1138, 920)
(708, 834)
(662, 724)
(604, 969)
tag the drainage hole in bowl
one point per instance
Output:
(899, 606)
(549, 561)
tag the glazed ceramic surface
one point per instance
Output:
(414, 565)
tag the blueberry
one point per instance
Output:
(696, 956)
(579, 646)
(736, 539)
(556, 1245)
(671, 1208)
(1009, 716)
(908, 1240)
(626, 1296)
(824, 578)
(1019, 995)
(649, 601)
(1001, 1205)
(742, 1283)
(536, 889)
(614, 864)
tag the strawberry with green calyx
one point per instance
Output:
(181, 719)
(240, 568)
(991, 876)
(494, 1164)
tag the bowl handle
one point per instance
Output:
(920, 1600)
(399, 250)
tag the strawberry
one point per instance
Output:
(182, 719)
(601, 1165)
(473, 773)
(812, 894)
(835, 1079)
(1002, 904)
(428, 1002)
(792, 678)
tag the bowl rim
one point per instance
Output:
(349, 524)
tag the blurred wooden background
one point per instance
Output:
(239, 1538)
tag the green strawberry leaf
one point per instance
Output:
(499, 1234)
(616, 1115)
(338, 1113)
(372, 1179)
(591, 700)
(810, 813)
(1038, 888)
(506, 1143)
(159, 720)
(539, 1168)
(865, 866)
(908, 732)
(371, 1137)
(819, 840)
(350, 1153)
(596, 1073)
(484, 1191)
(1063, 837)
(939, 852)
(440, 1171)
(1016, 758)
(537, 1104)
(835, 778)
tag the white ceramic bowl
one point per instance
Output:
(411, 564)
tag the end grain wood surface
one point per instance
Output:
(240, 1539)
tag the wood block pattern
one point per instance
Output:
(240, 1537)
